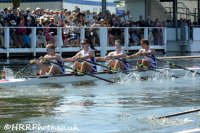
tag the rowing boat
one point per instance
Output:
(71, 78)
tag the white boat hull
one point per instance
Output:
(70, 78)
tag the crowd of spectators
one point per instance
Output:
(46, 21)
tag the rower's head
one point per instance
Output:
(144, 43)
(51, 48)
(85, 43)
(118, 44)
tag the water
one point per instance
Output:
(99, 107)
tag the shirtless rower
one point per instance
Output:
(85, 54)
(47, 67)
(149, 60)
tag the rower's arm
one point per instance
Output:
(77, 55)
(152, 51)
(100, 59)
(73, 58)
(69, 60)
(37, 62)
(109, 56)
(133, 55)
(122, 55)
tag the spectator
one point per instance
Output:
(41, 40)
(148, 22)
(13, 36)
(134, 40)
(158, 33)
(73, 21)
(29, 24)
(53, 30)
(38, 25)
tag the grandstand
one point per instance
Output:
(187, 9)
(70, 5)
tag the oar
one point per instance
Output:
(179, 113)
(174, 65)
(21, 70)
(179, 57)
(92, 75)
(108, 68)
(144, 66)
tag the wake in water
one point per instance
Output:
(157, 75)
(165, 122)
(137, 77)
(129, 78)
(162, 74)
(9, 73)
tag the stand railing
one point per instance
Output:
(68, 39)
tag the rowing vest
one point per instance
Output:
(60, 65)
(91, 59)
(151, 58)
(126, 65)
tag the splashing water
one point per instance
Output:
(129, 78)
(9, 73)
(189, 74)
(135, 77)
(162, 74)
(165, 122)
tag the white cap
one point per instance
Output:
(28, 18)
(9, 8)
(28, 9)
(82, 41)
(37, 8)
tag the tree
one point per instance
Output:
(16, 3)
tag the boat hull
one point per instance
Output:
(71, 78)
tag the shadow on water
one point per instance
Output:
(16, 109)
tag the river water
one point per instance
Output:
(100, 107)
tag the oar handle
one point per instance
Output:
(110, 69)
(96, 63)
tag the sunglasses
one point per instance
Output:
(50, 50)
(83, 43)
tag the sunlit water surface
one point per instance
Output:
(99, 107)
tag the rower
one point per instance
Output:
(113, 58)
(85, 54)
(52, 63)
(149, 60)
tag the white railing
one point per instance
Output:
(105, 35)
